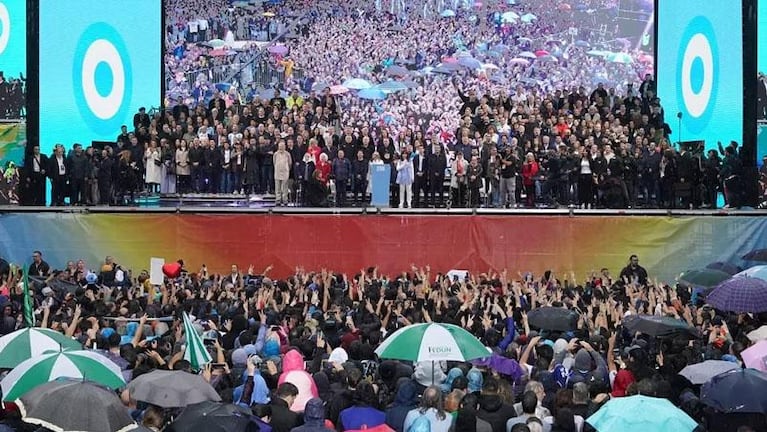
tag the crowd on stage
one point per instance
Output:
(301, 352)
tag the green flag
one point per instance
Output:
(196, 353)
(29, 315)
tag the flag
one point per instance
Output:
(29, 316)
(196, 353)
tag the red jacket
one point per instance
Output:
(324, 169)
(529, 171)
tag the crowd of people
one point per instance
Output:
(12, 97)
(299, 351)
(570, 148)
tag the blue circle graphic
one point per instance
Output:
(696, 75)
(697, 86)
(104, 77)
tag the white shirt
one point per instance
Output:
(60, 163)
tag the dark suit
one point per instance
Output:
(437, 165)
(58, 173)
(79, 168)
(421, 180)
(35, 169)
(212, 160)
(761, 98)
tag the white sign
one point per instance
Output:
(156, 276)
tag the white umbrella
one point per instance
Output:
(758, 334)
(700, 373)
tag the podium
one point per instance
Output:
(380, 176)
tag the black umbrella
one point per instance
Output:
(737, 391)
(214, 417)
(726, 267)
(659, 326)
(759, 255)
(172, 389)
(75, 406)
(553, 318)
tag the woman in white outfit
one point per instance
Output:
(153, 167)
(405, 177)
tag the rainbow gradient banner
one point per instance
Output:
(666, 246)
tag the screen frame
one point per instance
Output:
(749, 12)
(33, 70)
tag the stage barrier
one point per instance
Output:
(347, 243)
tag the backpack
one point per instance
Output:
(421, 424)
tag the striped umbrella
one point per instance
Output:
(432, 342)
(196, 353)
(31, 342)
(85, 365)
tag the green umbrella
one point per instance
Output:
(85, 365)
(216, 43)
(31, 342)
(641, 414)
(703, 277)
(432, 342)
(196, 353)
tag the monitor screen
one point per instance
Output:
(96, 69)
(700, 69)
(13, 67)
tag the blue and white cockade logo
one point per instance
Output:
(102, 78)
(5, 27)
(698, 74)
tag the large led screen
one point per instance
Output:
(13, 65)
(96, 68)
(700, 69)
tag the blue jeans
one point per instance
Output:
(225, 185)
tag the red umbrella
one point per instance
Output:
(449, 60)
(541, 53)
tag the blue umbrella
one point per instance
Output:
(631, 414)
(582, 43)
(528, 18)
(391, 87)
(737, 391)
(223, 86)
(447, 13)
(371, 94)
(470, 62)
(740, 294)
(759, 271)
(357, 84)
(509, 16)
